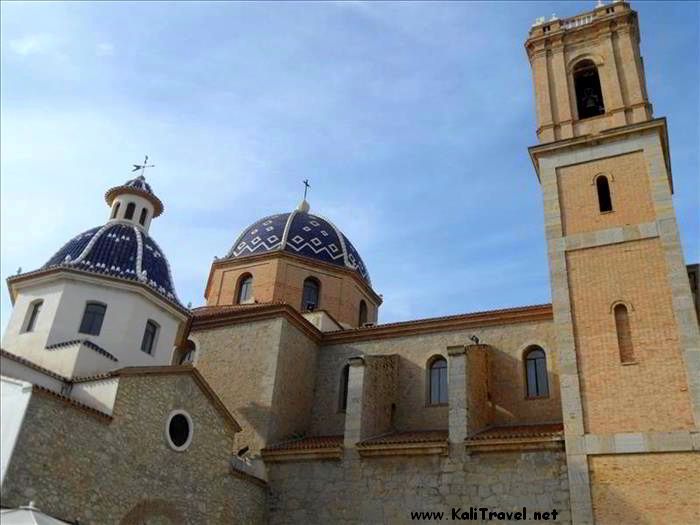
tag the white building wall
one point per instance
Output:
(100, 394)
(59, 321)
(19, 342)
(14, 399)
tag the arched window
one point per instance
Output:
(602, 186)
(437, 381)
(343, 390)
(624, 334)
(93, 316)
(144, 214)
(589, 96)
(115, 210)
(33, 315)
(363, 313)
(309, 301)
(536, 372)
(130, 209)
(150, 334)
(245, 288)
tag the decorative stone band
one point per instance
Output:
(431, 442)
(310, 448)
(524, 437)
(87, 343)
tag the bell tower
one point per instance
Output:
(627, 333)
(588, 72)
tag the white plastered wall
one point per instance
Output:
(128, 310)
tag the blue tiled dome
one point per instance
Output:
(301, 233)
(118, 250)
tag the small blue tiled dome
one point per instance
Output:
(118, 250)
(301, 233)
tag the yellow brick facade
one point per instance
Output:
(652, 489)
(629, 191)
(619, 397)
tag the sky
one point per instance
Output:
(411, 121)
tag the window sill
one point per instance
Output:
(536, 398)
(629, 363)
(436, 405)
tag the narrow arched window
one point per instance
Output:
(437, 382)
(144, 214)
(148, 342)
(93, 316)
(130, 209)
(33, 315)
(343, 390)
(602, 186)
(589, 96)
(115, 210)
(245, 288)
(309, 301)
(624, 334)
(363, 313)
(536, 372)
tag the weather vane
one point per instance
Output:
(306, 186)
(143, 166)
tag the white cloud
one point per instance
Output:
(104, 49)
(33, 44)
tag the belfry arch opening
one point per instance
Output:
(589, 95)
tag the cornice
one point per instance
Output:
(215, 317)
(658, 124)
(523, 314)
(49, 274)
(219, 316)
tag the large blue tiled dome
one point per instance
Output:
(118, 250)
(301, 233)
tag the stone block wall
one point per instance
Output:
(295, 376)
(239, 362)
(506, 345)
(379, 394)
(386, 490)
(78, 465)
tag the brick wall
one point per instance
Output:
(629, 189)
(653, 393)
(650, 488)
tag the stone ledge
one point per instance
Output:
(580, 241)
(637, 442)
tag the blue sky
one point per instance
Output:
(412, 121)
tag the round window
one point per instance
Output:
(178, 430)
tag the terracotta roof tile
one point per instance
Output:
(308, 443)
(521, 431)
(426, 436)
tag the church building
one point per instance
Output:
(285, 400)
